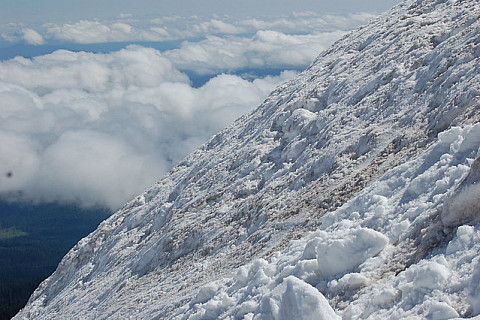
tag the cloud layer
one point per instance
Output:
(266, 49)
(99, 128)
(126, 28)
(86, 31)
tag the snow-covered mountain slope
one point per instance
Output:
(351, 192)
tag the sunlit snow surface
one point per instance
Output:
(351, 192)
(352, 259)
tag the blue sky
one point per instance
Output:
(42, 11)
(99, 99)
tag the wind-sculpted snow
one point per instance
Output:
(365, 273)
(339, 196)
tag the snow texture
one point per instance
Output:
(351, 192)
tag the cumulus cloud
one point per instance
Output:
(217, 26)
(11, 32)
(134, 66)
(100, 128)
(266, 49)
(127, 28)
(125, 15)
(307, 22)
(86, 31)
(32, 37)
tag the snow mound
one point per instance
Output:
(339, 253)
(295, 299)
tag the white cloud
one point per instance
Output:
(86, 31)
(18, 158)
(90, 166)
(11, 32)
(100, 128)
(161, 31)
(307, 22)
(134, 66)
(125, 15)
(216, 26)
(266, 49)
(128, 28)
(32, 37)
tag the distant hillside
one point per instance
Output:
(33, 239)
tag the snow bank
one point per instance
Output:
(354, 248)
(427, 274)
(262, 290)
(340, 252)
(295, 299)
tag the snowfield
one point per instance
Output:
(414, 266)
(352, 192)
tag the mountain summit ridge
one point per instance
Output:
(354, 158)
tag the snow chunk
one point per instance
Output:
(206, 293)
(441, 311)
(295, 299)
(449, 136)
(307, 270)
(474, 296)
(348, 281)
(386, 298)
(427, 274)
(342, 253)
(463, 205)
(247, 308)
(399, 229)
(432, 275)
(353, 281)
(299, 119)
(213, 307)
(462, 240)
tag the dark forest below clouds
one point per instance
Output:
(33, 239)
